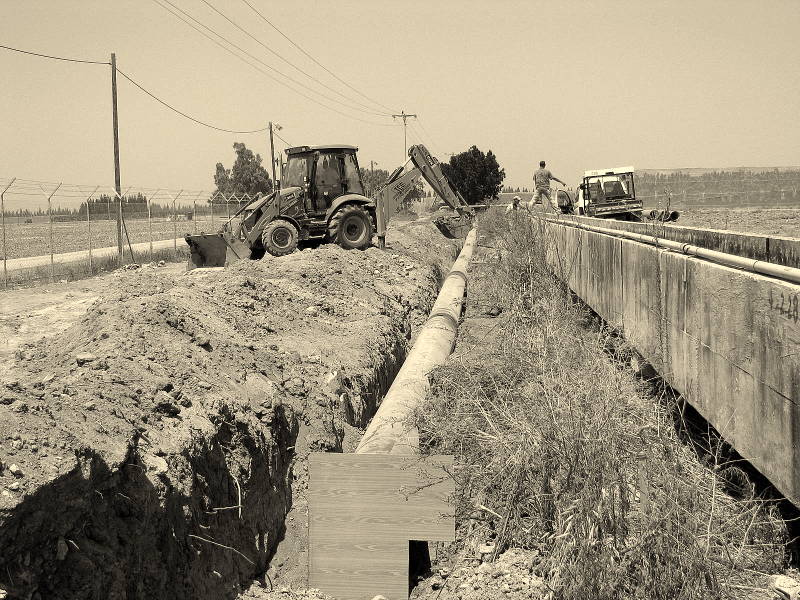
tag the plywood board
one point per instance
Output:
(363, 511)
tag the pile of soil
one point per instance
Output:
(155, 447)
(509, 576)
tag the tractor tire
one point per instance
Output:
(280, 237)
(351, 227)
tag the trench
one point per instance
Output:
(206, 516)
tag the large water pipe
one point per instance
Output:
(731, 260)
(389, 432)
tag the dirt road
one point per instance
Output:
(32, 262)
(29, 315)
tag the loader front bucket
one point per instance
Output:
(214, 250)
(454, 227)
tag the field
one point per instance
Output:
(765, 221)
(33, 239)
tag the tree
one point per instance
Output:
(373, 181)
(247, 176)
(475, 174)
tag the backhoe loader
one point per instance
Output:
(322, 198)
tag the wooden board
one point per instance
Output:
(363, 511)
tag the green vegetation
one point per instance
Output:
(82, 269)
(563, 452)
(477, 176)
(247, 176)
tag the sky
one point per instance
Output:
(582, 85)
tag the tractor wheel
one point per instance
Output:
(280, 237)
(351, 227)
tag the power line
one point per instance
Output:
(270, 67)
(277, 135)
(260, 70)
(428, 134)
(422, 138)
(262, 44)
(183, 114)
(94, 62)
(74, 60)
(293, 43)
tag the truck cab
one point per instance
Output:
(609, 193)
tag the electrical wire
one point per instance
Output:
(327, 70)
(74, 60)
(183, 114)
(277, 135)
(368, 110)
(138, 86)
(418, 121)
(271, 68)
(283, 83)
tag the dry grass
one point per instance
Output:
(764, 221)
(73, 271)
(33, 239)
(560, 450)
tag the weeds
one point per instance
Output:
(82, 269)
(562, 452)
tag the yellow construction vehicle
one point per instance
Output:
(322, 198)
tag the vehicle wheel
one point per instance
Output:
(280, 237)
(351, 227)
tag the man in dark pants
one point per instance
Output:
(541, 184)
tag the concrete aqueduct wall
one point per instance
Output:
(728, 340)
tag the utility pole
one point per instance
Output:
(276, 127)
(372, 164)
(116, 153)
(272, 153)
(404, 116)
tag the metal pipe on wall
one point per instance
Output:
(731, 260)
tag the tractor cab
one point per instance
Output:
(323, 173)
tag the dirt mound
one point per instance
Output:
(154, 448)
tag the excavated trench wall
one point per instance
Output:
(726, 339)
(158, 444)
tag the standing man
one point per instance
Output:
(541, 183)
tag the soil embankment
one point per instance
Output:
(155, 448)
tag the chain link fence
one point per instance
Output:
(54, 232)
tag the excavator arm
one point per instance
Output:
(402, 181)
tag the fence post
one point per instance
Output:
(3, 214)
(50, 227)
(175, 225)
(89, 228)
(123, 227)
(212, 210)
(150, 223)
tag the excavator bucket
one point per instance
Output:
(215, 250)
(455, 226)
